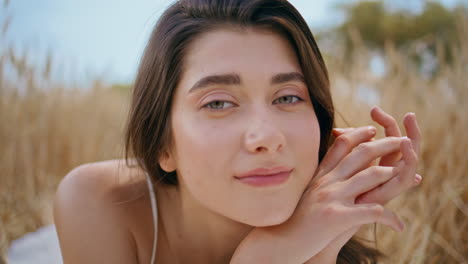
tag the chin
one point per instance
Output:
(271, 217)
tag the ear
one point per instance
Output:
(167, 162)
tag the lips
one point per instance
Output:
(264, 177)
(259, 172)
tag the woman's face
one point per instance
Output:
(253, 112)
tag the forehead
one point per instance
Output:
(250, 53)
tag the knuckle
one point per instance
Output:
(383, 178)
(365, 149)
(404, 181)
(377, 211)
(344, 141)
(324, 195)
(400, 180)
(330, 211)
(375, 171)
(386, 172)
(379, 174)
(394, 141)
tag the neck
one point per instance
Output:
(194, 233)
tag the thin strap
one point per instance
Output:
(154, 209)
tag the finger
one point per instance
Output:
(412, 131)
(374, 162)
(367, 180)
(363, 154)
(391, 130)
(340, 131)
(376, 213)
(344, 145)
(387, 121)
(406, 179)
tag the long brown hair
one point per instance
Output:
(148, 133)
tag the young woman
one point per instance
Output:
(231, 125)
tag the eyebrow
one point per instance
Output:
(234, 79)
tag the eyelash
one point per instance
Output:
(299, 99)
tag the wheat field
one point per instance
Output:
(47, 128)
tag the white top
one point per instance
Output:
(154, 209)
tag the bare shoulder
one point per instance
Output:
(92, 212)
(112, 181)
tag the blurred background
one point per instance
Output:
(66, 71)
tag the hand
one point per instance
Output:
(385, 192)
(328, 206)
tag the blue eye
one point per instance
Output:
(217, 105)
(289, 99)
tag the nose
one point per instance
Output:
(263, 135)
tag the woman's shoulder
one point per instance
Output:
(96, 208)
(112, 181)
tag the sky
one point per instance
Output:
(105, 38)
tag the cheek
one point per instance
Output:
(204, 160)
(203, 137)
(203, 147)
(304, 140)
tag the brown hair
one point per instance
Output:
(148, 134)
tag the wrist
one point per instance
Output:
(265, 245)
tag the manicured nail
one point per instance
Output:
(417, 178)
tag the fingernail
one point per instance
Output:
(401, 226)
(339, 130)
(407, 140)
(417, 178)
